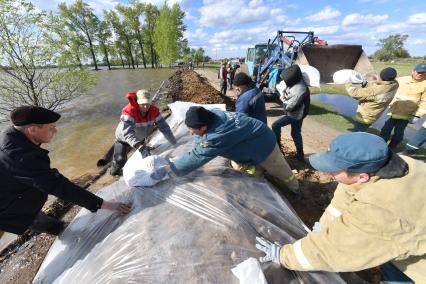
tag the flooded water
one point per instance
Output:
(86, 129)
(346, 105)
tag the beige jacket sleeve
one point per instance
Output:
(362, 237)
(358, 92)
(422, 105)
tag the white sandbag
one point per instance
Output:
(249, 272)
(347, 76)
(310, 75)
(281, 86)
(137, 171)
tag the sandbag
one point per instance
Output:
(137, 171)
(310, 75)
(347, 76)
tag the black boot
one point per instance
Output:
(115, 169)
(300, 155)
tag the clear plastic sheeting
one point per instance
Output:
(137, 170)
(191, 229)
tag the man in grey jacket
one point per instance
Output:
(296, 101)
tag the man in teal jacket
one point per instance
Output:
(234, 136)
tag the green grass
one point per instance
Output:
(212, 65)
(330, 117)
(402, 68)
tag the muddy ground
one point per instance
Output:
(20, 261)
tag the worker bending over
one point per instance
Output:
(137, 121)
(377, 215)
(235, 136)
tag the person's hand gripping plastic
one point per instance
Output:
(159, 173)
(272, 250)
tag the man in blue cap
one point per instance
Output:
(376, 217)
(408, 105)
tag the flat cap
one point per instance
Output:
(25, 115)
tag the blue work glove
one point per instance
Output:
(414, 119)
(272, 250)
(159, 173)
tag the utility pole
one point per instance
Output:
(216, 53)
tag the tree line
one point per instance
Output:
(43, 54)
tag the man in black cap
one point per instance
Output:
(27, 177)
(373, 98)
(250, 99)
(234, 136)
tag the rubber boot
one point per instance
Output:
(300, 155)
(115, 169)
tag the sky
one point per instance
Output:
(226, 28)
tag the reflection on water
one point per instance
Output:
(346, 105)
(86, 129)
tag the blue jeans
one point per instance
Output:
(392, 275)
(296, 130)
(417, 140)
(360, 127)
(398, 126)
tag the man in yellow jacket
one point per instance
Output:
(373, 98)
(408, 105)
(377, 215)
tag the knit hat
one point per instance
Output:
(26, 115)
(388, 74)
(356, 152)
(292, 75)
(143, 97)
(197, 116)
(241, 79)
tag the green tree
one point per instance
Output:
(151, 14)
(26, 76)
(131, 15)
(122, 35)
(391, 47)
(168, 33)
(80, 19)
(104, 35)
(199, 55)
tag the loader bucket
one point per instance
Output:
(331, 58)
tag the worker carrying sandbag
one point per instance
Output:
(408, 105)
(234, 136)
(296, 100)
(137, 121)
(377, 215)
(373, 97)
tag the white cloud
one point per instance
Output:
(398, 27)
(328, 13)
(368, 20)
(325, 30)
(418, 41)
(276, 12)
(221, 13)
(417, 19)
(249, 36)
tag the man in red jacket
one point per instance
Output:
(138, 119)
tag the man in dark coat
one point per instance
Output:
(27, 178)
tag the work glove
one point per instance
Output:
(414, 119)
(159, 173)
(145, 151)
(272, 250)
(364, 83)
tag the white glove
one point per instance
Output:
(414, 119)
(272, 250)
(356, 78)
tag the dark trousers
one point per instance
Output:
(296, 130)
(417, 140)
(360, 127)
(398, 126)
(391, 274)
(119, 158)
(46, 224)
(223, 87)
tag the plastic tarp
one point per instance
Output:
(191, 229)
